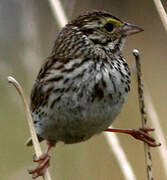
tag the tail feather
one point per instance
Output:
(29, 141)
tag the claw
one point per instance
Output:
(40, 158)
(43, 163)
(147, 129)
(34, 176)
(142, 134)
(43, 160)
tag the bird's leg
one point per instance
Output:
(43, 161)
(141, 134)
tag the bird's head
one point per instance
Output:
(103, 28)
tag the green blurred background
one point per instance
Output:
(27, 33)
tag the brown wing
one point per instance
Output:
(38, 96)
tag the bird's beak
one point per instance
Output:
(129, 29)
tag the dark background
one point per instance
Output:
(27, 33)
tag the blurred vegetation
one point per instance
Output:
(27, 33)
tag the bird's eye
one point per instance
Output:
(109, 27)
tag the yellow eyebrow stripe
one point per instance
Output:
(113, 21)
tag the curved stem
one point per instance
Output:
(35, 141)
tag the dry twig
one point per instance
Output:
(143, 114)
(151, 110)
(155, 121)
(58, 12)
(161, 11)
(35, 141)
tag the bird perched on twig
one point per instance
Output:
(82, 86)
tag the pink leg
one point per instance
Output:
(43, 161)
(141, 134)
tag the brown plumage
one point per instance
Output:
(82, 86)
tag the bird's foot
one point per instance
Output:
(143, 135)
(140, 134)
(40, 170)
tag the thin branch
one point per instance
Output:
(35, 141)
(58, 12)
(151, 110)
(112, 139)
(143, 114)
(158, 133)
(161, 11)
